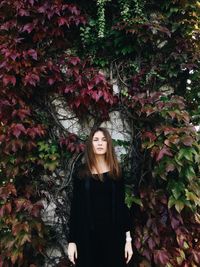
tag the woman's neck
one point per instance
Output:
(101, 164)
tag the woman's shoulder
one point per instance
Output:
(80, 171)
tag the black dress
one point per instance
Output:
(99, 221)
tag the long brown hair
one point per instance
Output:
(110, 156)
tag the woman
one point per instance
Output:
(100, 222)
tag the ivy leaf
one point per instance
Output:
(51, 165)
(192, 197)
(25, 238)
(74, 60)
(161, 257)
(189, 172)
(186, 153)
(170, 167)
(196, 256)
(174, 222)
(28, 27)
(63, 21)
(179, 205)
(150, 135)
(18, 129)
(32, 53)
(171, 202)
(9, 79)
(31, 78)
(14, 256)
(187, 140)
(164, 151)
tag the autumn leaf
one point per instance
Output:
(164, 151)
(161, 257)
(9, 79)
(17, 129)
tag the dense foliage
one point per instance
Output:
(77, 53)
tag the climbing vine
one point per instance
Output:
(78, 62)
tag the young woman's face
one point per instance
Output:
(99, 143)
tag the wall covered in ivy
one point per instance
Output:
(66, 67)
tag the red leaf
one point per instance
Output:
(28, 27)
(73, 9)
(14, 55)
(98, 78)
(51, 81)
(9, 79)
(170, 167)
(2, 209)
(174, 223)
(19, 226)
(36, 208)
(151, 243)
(196, 256)
(187, 140)
(161, 257)
(17, 129)
(16, 144)
(74, 60)
(150, 135)
(21, 113)
(174, 139)
(81, 147)
(31, 2)
(164, 151)
(63, 21)
(77, 102)
(23, 12)
(106, 96)
(32, 53)
(42, 9)
(31, 78)
(69, 88)
(96, 95)
(7, 190)
(137, 243)
(19, 204)
(8, 207)
(147, 254)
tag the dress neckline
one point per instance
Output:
(100, 173)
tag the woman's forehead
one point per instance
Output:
(99, 134)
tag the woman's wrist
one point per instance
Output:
(128, 236)
(128, 239)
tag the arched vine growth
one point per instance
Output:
(80, 61)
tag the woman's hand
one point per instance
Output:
(128, 251)
(72, 252)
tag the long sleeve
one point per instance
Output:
(73, 220)
(125, 210)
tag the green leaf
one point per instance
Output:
(179, 205)
(171, 202)
(137, 201)
(176, 193)
(186, 153)
(51, 165)
(190, 173)
(185, 245)
(192, 197)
